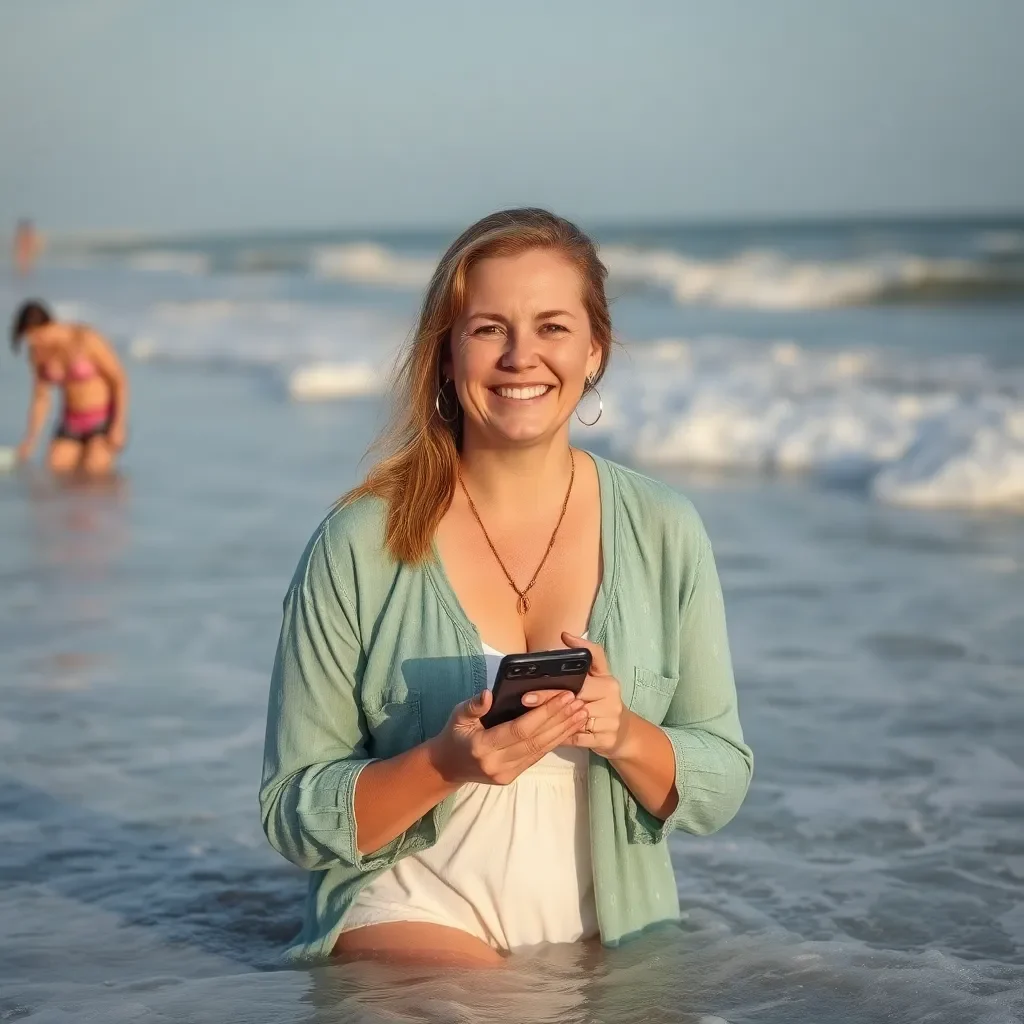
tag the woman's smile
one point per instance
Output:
(522, 393)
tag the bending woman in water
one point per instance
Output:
(82, 364)
(483, 531)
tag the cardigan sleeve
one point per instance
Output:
(713, 764)
(317, 737)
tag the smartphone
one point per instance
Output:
(518, 674)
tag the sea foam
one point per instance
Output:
(942, 434)
(370, 263)
(911, 430)
(753, 279)
(766, 279)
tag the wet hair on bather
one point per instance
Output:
(31, 315)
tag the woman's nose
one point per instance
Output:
(520, 350)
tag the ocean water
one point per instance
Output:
(844, 405)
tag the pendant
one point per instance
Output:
(523, 604)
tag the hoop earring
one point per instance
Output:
(589, 388)
(437, 405)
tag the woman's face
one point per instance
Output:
(46, 336)
(522, 348)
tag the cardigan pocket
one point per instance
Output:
(395, 727)
(652, 694)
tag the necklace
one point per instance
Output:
(523, 602)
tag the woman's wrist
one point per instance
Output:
(629, 747)
(441, 762)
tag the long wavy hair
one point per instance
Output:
(417, 472)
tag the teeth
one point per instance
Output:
(523, 393)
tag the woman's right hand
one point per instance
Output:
(465, 751)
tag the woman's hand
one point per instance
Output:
(607, 721)
(467, 752)
(116, 436)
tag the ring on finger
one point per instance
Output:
(591, 723)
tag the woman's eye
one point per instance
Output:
(486, 329)
(554, 328)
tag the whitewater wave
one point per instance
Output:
(328, 381)
(369, 263)
(970, 457)
(1001, 243)
(755, 279)
(319, 351)
(943, 434)
(986, 265)
(948, 433)
(765, 279)
(939, 432)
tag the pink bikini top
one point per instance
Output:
(79, 368)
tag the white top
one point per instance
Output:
(511, 867)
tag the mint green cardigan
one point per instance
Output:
(374, 654)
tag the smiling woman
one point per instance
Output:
(555, 269)
(521, 370)
(482, 532)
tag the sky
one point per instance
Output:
(191, 115)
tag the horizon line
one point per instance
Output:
(593, 225)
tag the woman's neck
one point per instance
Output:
(516, 478)
(56, 340)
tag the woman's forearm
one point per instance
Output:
(37, 410)
(647, 765)
(393, 795)
(120, 402)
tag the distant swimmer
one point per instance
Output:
(27, 246)
(73, 357)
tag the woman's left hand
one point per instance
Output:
(605, 730)
(117, 436)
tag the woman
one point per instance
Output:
(483, 532)
(74, 358)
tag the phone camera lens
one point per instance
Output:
(516, 670)
(572, 666)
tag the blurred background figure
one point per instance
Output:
(80, 363)
(28, 245)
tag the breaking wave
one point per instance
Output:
(765, 279)
(754, 279)
(947, 433)
(917, 431)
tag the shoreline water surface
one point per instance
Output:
(877, 869)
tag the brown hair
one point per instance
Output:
(417, 475)
(31, 315)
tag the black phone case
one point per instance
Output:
(518, 674)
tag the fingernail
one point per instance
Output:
(530, 698)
